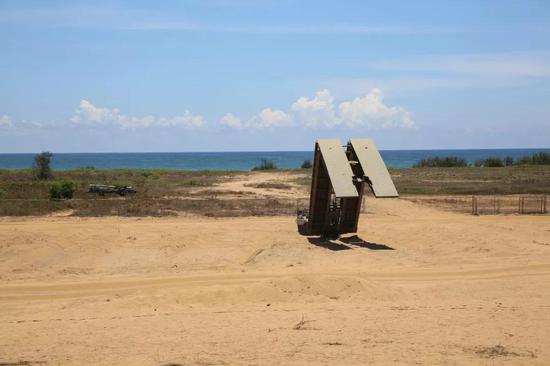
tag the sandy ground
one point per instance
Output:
(422, 287)
(250, 185)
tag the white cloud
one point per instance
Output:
(5, 121)
(89, 114)
(316, 111)
(231, 120)
(371, 111)
(368, 111)
(269, 118)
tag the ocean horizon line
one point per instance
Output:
(239, 160)
(263, 151)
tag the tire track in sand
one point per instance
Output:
(38, 291)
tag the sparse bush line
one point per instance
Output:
(540, 158)
(266, 165)
(446, 162)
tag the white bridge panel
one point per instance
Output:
(339, 170)
(373, 166)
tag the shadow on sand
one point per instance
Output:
(328, 244)
(344, 243)
(355, 240)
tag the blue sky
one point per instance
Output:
(238, 75)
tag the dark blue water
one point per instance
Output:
(235, 160)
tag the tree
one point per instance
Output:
(41, 166)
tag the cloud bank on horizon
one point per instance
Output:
(318, 112)
(89, 114)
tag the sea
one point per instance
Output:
(236, 160)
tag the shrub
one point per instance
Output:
(55, 191)
(61, 190)
(490, 163)
(494, 162)
(67, 189)
(266, 165)
(306, 164)
(41, 167)
(540, 158)
(508, 161)
(446, 162)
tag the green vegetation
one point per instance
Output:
(540, 158)
(62, 190)
(266, 165)
(306, 164)
(525, 179)
(491, 163)
(41, 166)
(269, 185)
(22, 194)
(446, 162)
(20, 184)
(450, 181)
(170, 192)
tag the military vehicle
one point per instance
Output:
(337, 186)
(103, 189)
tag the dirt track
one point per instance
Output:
(422, 287)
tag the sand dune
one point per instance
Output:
(417, 286)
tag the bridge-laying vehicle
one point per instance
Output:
(339, 176)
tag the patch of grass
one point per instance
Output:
(204, 207)
(460, 181)
(196, 183)
(301, 181)
(271, 185)
(501, 351)
(504, 180)
(31, 207)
